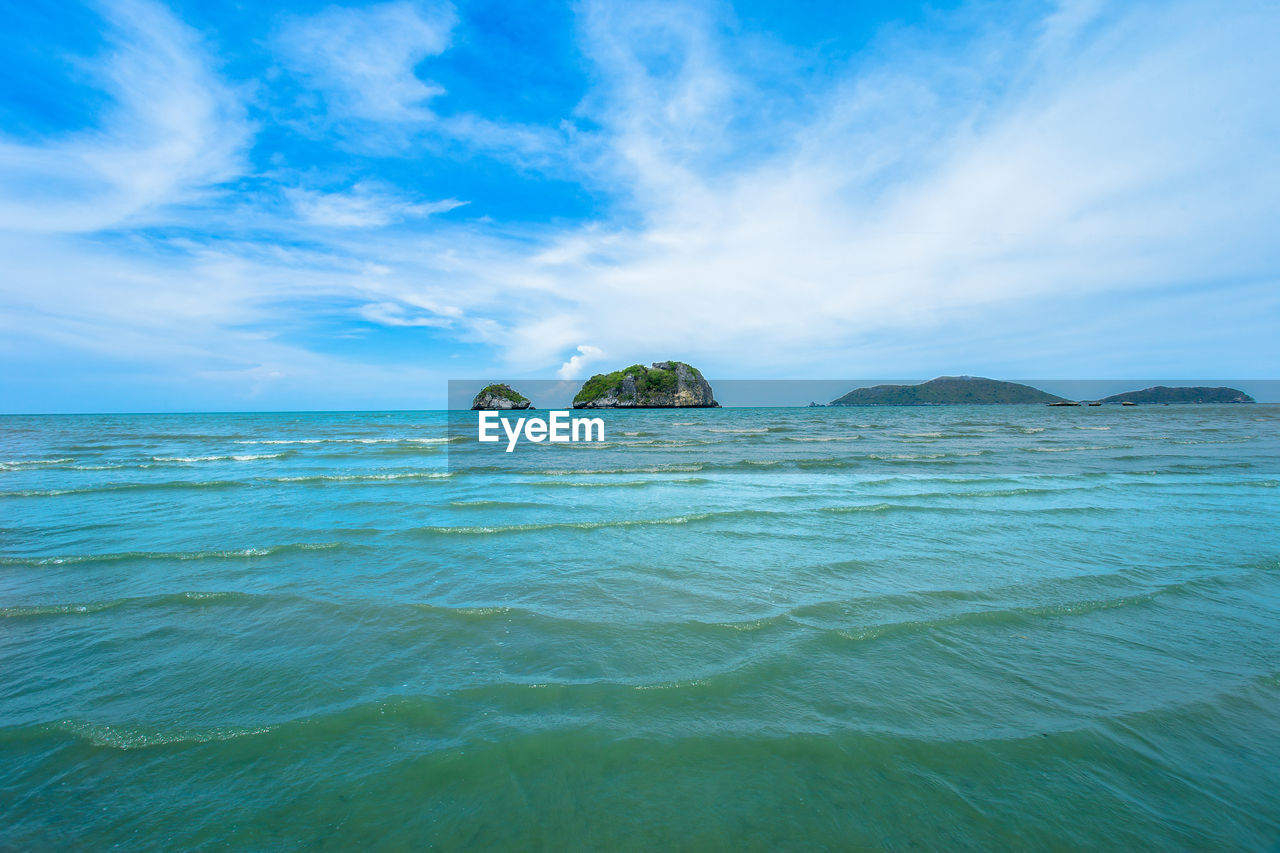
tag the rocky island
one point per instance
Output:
(664, 385)
(948, 391)
(1185, 394)
(500, 396)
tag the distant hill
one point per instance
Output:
(1188, 394)
(947, 391)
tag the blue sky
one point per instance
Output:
(211, 205)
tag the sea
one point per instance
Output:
(781, 629)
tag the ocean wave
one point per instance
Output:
(480, 612)
(820, 463)
(489, 530)
(127, 487)
(248, 457)
(952, 510)
(891, 457)
(876, 631)
(116, 736)
(1176, 467)
(683, 468)
(976, 609)
(1020, 491)
(876, 507)
(23, 464)
(653, 442)
(680, 684)
(1077, 449)
(363, 478)
(398, 440)
(1050, 597)
(89, 607)
(613, 484)
(511, 615)
(1210, 441)
(231, 554)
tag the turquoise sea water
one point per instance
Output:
(790, 629)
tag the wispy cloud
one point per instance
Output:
(396, 314)
(365, 59)
(363, 206)
(172, 130)
(1120, 154)
(371, 66)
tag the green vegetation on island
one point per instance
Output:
(947, 391)
(664, 385)
(500, 396)
(1182, 394)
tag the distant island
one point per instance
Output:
(1188, 394)
(948, 391)
(677, 385)
(664, 385)
(500, 396)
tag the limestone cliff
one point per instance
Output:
(500, 396)
(664, 385)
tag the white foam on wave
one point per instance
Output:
(19, 464)
(135, 737)
(415, 475)
(912, 455)
(398, 440)
(249, 457)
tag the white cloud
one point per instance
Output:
(1129, 154)
(365, 59)
(364, 206)
(371, 67)
(171, 130)
(572, 369)
(394, 314)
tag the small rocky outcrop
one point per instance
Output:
(500, 396)
(664, 385)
